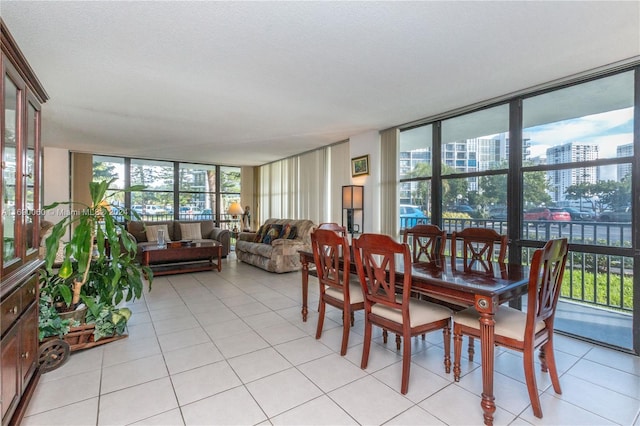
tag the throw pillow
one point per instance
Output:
(272, 234)
(152, 232)
(191, 231)
(286, 231)
(261, 233)
(293, 233)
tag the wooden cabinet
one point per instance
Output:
(21, 96)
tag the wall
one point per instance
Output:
(56, 179)
(363, 144)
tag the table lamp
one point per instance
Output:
(235, 210)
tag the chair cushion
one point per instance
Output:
(509, 322)
(152, 232)
(355, 292)
(420, 312)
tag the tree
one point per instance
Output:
(535, 188)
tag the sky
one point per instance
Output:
(608, 130)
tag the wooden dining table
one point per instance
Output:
(483, 286)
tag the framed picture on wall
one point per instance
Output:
(360, 165)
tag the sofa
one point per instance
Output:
(208, 231)
(279, 253)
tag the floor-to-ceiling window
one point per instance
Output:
(172, 190)
(570, 174)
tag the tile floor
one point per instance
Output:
(231, 348)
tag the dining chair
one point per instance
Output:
(426, 241)
(525, 331)
(337, 288)
(477, 247)
(376, 258)
(332, 226)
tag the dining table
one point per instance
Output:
(483, 285)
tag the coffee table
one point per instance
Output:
(193, 257)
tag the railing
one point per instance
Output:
(602, 280)
(226, 221)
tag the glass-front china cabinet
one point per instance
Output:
(21, 96)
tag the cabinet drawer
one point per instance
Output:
(10, 310)
(29, 291)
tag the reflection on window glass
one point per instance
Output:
(476, 142)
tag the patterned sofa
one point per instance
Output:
(276, 254)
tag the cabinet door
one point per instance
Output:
(31, 181)
(10, 376)
(11, 138)
(28, 344)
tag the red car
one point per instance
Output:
(547, 213)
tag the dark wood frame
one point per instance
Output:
(355, 162)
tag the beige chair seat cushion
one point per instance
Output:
(420, 312)
(510, 322)
(355, 292)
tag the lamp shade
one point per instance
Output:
(352, 196)
(235, 209)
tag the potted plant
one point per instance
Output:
(98, 267)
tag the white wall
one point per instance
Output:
(56, 177)
(363, 144)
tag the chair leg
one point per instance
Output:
(551, 362)
(366, 346)
(321, 311)
(399, 341)
(543, 360)
(353, 319)
(446, 335)
(530, 378)
(471, 351)
(406, 364)
(385, 336)
(457, 353)
(345, 330)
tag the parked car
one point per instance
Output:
(555, 214)
(137, 208)
(153, 210)
(462, 208)
(411, 216)
(498, 213)
(578, 214)
(617, 215)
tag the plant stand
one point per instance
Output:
(54, 352)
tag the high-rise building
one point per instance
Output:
(625, 150)
(571, 152)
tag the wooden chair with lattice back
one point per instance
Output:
(376, 256)
(338, 287)
(426, 241)
(477, 247)
(525, 331)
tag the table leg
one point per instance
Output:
(305, 287)
(488, 404)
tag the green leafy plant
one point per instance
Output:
(108, 319)
(50, 324)
(99, 260)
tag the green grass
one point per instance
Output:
(592, 288)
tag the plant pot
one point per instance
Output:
(78, 314)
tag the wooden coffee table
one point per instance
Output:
(194, 257)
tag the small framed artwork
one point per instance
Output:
(360, 166)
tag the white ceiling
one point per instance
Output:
(245, 83)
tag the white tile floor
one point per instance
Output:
(231, 348)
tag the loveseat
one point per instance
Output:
(142, 230)
(275, 246)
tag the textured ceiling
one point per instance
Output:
(244, 83)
